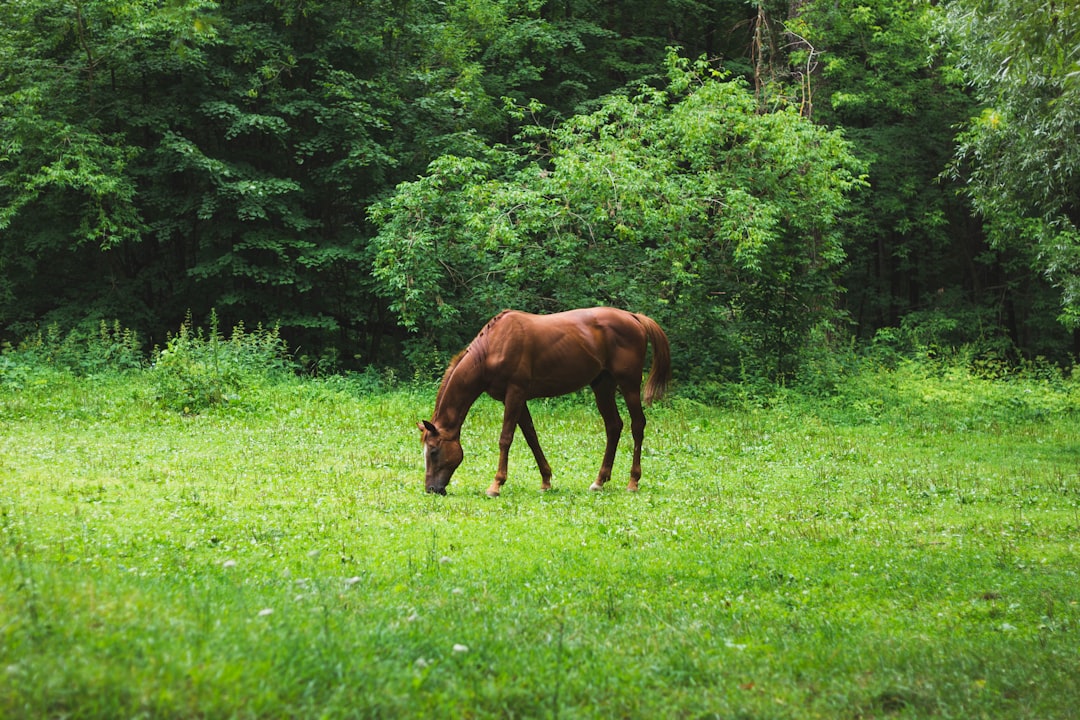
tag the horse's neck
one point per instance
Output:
(460, 389)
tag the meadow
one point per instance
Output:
(907, 547)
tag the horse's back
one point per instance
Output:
(579, 320)
(562, 352)
(596, 331)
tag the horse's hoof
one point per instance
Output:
(596, 487)
(632, 487)
(492, 493)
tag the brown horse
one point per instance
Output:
(518, 357)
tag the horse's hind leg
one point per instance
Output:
(632, 395)
(604, 389)
(525, 422)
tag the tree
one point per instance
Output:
(684, 202)
(68, 190)
(878, 76)
(161, 156)
(1020, 156)
(158, 156)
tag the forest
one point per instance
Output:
(777, 182)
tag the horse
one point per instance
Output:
(519, 356)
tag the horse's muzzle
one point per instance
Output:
(436, 490)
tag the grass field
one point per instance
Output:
(908, 549)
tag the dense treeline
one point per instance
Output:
(376, 178)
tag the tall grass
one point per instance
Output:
(199, 369)
(904, 548)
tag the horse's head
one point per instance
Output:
(442, 455)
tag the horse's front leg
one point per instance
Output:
(512, 406)
(525, 422)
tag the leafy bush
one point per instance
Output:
(112, 348)
(951, 393)
(12, 372)
(689, 204)
(200, 369)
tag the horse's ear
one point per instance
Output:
(425, 425)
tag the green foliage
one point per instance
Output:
(1018, 156)
(881, 75)
(964, 391)
(688, 204)
(198, 370)
(111, 349)
(56, 152)
(161, 156)
(75, 114)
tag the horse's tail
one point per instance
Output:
(660, 373)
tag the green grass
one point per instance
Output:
(909, 549)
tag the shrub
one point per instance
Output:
(200, 369)
(112, 348)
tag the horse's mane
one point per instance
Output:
(489, 325)
(446, 377)
(478, 347)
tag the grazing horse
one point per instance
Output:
(518, 357)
